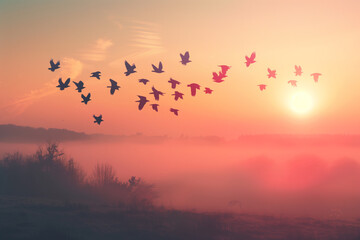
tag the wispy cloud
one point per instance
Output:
(69, 67)
(145, 39)
(97, 51)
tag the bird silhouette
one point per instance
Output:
(98, 119)
(85, 99)
(156, 93)
(218, 77)
(175, 111)
(173, 83)
(114, 86)
(208, 90)
(79, 85)
(96, 74)
(157, 69)
(155, 107)
(62, 85)
(298, 70)
(250, 60)
(142, 101)
(129, 68)
(178, 95)
(185, 58)
(144, 81)
(272, 73)
(262, 86)
(316, 76)
(224, 69)
(293, 83)
(193, 87)
(54, 66)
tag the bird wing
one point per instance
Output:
(187, 55)
(160, 66)
(67, 81)
(60, 81)
(127, 65)
(253, 55)
(182, 56)
(77, 84)
(113, 83)
(154, 67)
(52, 63)
(88, 96)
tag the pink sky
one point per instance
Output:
(321, 36)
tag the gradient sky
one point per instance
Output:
(86, 36)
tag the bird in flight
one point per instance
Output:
(144, 81)
(224, 69)
(142, 101)
(262, 86)
(193, 87)
(250, 60)
(85, 99)
(175, 111)
(185, 58)
(114, 86)
(156, 93)
(129, 68)
(54, 66)
(272, 73)
(79, 85)
(293, 83)
(62, 85)
(157, 69)
(298, 70)
(178, 95)
(316, 76)
(96, 74)
(98, 119)
(155, 107)
(173, 83)
(208, 90)
(218, 77)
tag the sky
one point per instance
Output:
(88, 36)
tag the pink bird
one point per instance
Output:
(218, 77)
(250, 60)
(175, 111)
(272, 73)
(208, 90)
(193, 87)
(293, 83)
(173, 83)
(262, 86)
(224, 69)
(298, 70)
(178, 95)
(316, 76)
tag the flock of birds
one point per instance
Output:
(218, 77)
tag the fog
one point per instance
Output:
(316, 181)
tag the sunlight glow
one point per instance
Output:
(301, 103)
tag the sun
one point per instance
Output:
(301, 103)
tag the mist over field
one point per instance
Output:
(290, 177)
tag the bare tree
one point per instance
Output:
(103, 174)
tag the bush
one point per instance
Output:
(50, 174)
